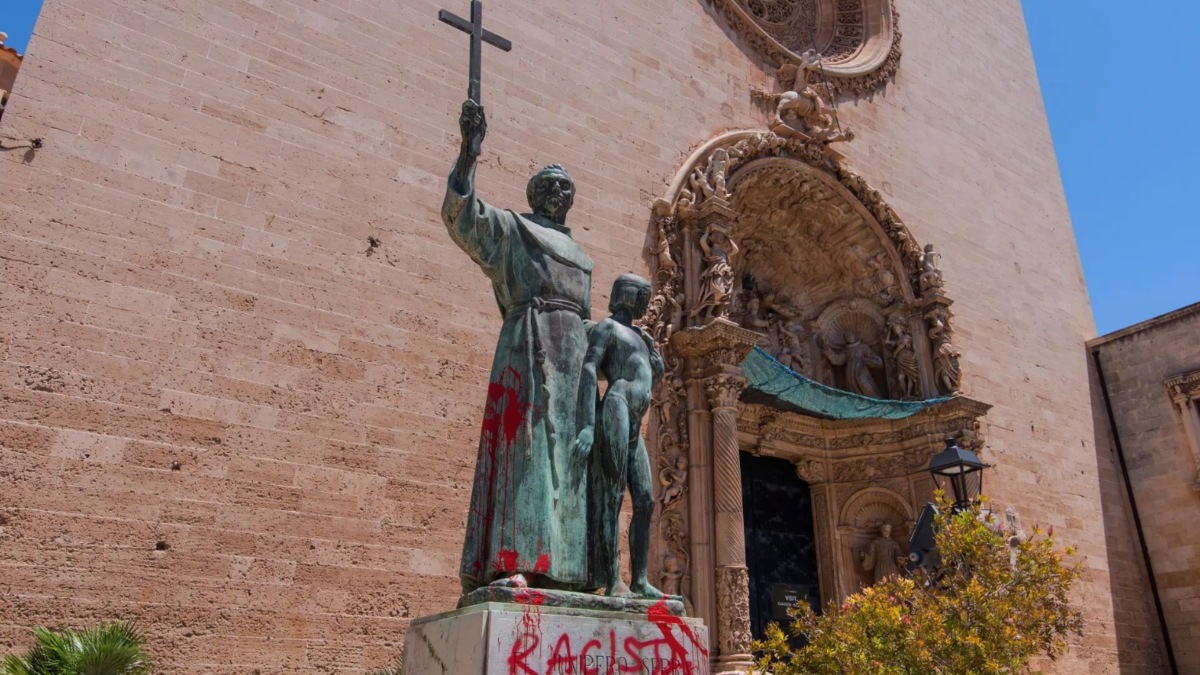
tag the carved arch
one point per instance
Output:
(753, 217)
(873, 506)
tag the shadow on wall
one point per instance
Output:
(1140, 645)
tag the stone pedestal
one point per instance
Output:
(503, 638)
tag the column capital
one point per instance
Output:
(717, 347)
(724, 389)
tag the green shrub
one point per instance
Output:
(108, 649)
(989, 609)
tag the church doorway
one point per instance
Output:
(781, 545)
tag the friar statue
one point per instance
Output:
(527, 522)
(884, 558)
(611, 431)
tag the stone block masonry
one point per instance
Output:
(234, 323)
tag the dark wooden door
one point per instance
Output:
(781, 547)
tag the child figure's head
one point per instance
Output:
(630, 292)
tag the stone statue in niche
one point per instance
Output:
(945, 357)
(883, 558)
(716, 281)
(931, 276)
(802, 111)
(625, 355)
(859, 359)
(527, 520)
(904, 356)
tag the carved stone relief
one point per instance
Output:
(857, 42)
(869, 553)
(862, 473)
(1185, 393)
(767, 237)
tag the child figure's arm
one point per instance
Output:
(656, 360)
(589, 382)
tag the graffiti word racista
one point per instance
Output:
(661, 655)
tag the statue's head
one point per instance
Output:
(632, 293)
(885, 530)
(551, 192)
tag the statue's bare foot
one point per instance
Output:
(643, 589)
(515, 581)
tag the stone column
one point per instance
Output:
(729, 541)
(719, 573)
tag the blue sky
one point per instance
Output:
(1123, 111)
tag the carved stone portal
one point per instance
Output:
(766, 239)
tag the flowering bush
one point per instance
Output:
(997, 601)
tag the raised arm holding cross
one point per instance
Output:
(473, 123)
(527, 524)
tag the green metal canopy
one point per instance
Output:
(773, 383)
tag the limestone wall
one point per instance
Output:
(1161, 458)
(243, 364)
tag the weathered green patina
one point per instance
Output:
(626, 356)
(787, 390)
(527, 523)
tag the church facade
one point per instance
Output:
(245, 364)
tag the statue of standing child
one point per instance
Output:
(625, 356)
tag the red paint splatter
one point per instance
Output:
(506, 561)
(505, 410)
(677, 657)
(528, 637)
(529, 596)
(542, 565)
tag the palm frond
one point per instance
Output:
(107, 649)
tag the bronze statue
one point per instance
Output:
(527, 521)
(626, 356)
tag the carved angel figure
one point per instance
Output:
(931, 276)
(671, 575)
(945, 356)
(716, 281)
(673, 480)
(710, 182)
(904, 356)
(671, 317)
(662, 250)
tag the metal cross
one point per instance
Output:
(475, 29)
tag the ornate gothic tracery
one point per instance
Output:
(858, 41)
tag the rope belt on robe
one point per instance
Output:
(537, 355)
